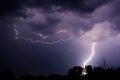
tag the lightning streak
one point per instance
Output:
(92, 54)
(41, 35)
(16, 33)
(39, 41)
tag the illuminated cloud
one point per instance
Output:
(100, 32)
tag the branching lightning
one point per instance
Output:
(92, 54)
(39, 41)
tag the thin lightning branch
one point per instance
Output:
(16, 33)
(39, 41)
(92, 54)
(42, 36)
(61, 31)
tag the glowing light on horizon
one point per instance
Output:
(92, 54)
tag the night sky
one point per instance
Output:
(51, 36)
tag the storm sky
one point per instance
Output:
(51, 36)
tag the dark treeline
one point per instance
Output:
(75, 73)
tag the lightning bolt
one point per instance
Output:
(92, 54)
(38, 41)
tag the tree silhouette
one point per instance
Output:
(103, 63)
(7, 74)
(75, 73)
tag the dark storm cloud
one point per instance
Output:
(18, 8)
(15, 7)
(70, 12)
(115, 16)
(10, 8)
(50, 22)
(85, 6)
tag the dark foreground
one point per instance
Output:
(74, 73)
